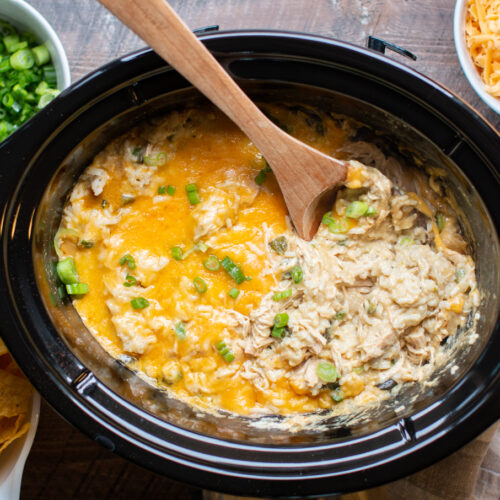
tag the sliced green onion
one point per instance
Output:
(180, 330)
(338, 226)
(130, 280)
(49, 74)
(356, 209)
(212, 263)
(225, 351)
(86, 244)
(66, 270)
(233, 293)
(297, 274)
(440, 221)
(262, 175)
(200, 284)
(342, 243)
(177, 253)
(60, 234)
(404, 241)
(326, 372)
(162, 190)
(139, 154)
(459, 274)
(371, 212)
(77, 288)
(279, 245)
(280, 320)
(10, 42)
(41, 55)
(157, 160)
(278, 332)
(129, 260)
(327, 219)
(233, 270)
(41, 88)
(50, 95)
(371, 307)
(340, 315)
(337, 395)
(285, 294)
(192, 194)
(171, 190)
(139, 303)
(202, 247)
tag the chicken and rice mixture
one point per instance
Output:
(177, 250)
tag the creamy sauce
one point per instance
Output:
(376, 296)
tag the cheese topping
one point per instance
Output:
(198, 282)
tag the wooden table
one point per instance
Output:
(66, 464)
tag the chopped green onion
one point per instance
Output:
(202, 247)
(326, 372)
(66, 270)
(371, 212)
(162, 190)
(41, 55)
(356, 209)
(459, 274)
(192, 194)
(171, 190)
(77, 288)
(85, 244)
(440, 221)
(49, 73)
(200, 284)
(280, 320)
(278, 332)
(297, 274)
(177, 253)
(338, 226)
(342, 243)
(212, 263)
(139, 154)
(41, 88)
(59, 234)
(371, 307)
(233, 293)
(225, 351)
(50, 95)
(10, 42)
(139, 303)
(129, 260)
(327, 219)
(233, 270)
(262, 175)
(279, 245)
(337, 395)
(180, 330)
(285, 294)
(157, 160)
(404, 241)
(130, 280)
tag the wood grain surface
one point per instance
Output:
(66, 464)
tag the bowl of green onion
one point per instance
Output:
(33, 64)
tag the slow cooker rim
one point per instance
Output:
(147, 52)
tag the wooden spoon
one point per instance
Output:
(307, 178)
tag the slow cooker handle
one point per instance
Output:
(380, 45)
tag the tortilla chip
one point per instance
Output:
(3, 348)
(15, 394)
(11, 429)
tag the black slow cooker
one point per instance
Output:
(402, 110)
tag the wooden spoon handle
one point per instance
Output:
(158, 25)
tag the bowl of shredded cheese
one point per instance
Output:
(477, 41)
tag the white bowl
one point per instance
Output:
(13, 458)
(465, 59)
(25, 18)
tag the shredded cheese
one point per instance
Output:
(482, 33)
